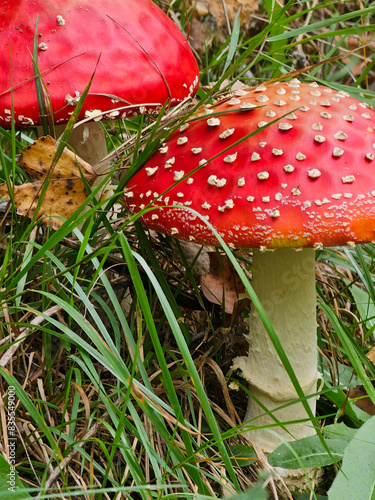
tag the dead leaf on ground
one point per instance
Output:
(371, 355)
(201, 34)
(217, 11)
(208, 21)
(222, 281)
(364, 402)
(66, 189)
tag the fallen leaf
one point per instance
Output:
(364, 402)
(217, 11)
(371, 355)
(209, 23)
(201, 34)
(196, 256)
(201, 8)
(222, 281)
(66, 188)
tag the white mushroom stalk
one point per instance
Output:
(88, 142)
(284, 282)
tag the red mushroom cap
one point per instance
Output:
(308, 179)
(143, 57)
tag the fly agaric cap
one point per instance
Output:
(304, 178)
(143, 58)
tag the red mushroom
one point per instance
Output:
(144, 59)
(301, 181)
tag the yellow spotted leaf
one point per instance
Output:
(65, 190)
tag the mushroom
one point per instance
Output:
(284, 168)
(139, 59)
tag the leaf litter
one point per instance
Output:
(67, 180)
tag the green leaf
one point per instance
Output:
(340, 430)
(10, 483)
(242, 455)
(233, 41)
(310, 451)
(307, 496)
(356, 478)
(257, 492)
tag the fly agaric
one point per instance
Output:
(140, 59)
(303, 180)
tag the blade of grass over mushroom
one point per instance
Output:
(249, 425)
(146, 53)
(141, 152)
(199, 167)
(74, 116)
(153, 141)
(38, 84)
(267, 324)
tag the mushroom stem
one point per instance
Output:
(284, 282)
(88, 141)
